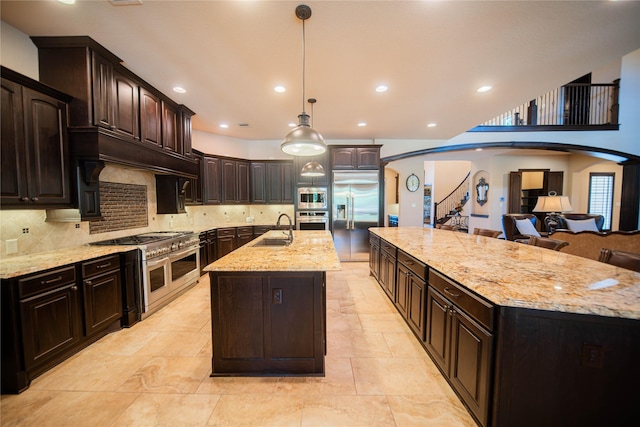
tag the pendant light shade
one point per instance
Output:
(303, 140)
(312, 169)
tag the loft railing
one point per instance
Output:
(444, 209)
(575, 106)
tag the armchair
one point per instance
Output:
(509, 225)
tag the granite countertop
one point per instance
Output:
(33, 263)
(310, 251)
(518, 275)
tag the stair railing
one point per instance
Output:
(447, 206)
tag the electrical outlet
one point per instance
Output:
(25, 231)
(12, 246)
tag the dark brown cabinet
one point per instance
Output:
(272, 182)
(458, 338)
(258, 182)
(225, 241)
(243, 236)
(150, 118)
(374, 256)
(193, 194)
(211, 182)
(411, 292)
(346, 158)
(102, 291)
(170, 127)
(387, 278)
(35, 155)
(523, 193)
(125, 109)
(235, 181)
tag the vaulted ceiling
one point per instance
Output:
(432, 55)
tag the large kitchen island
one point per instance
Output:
(525, 336)
(268, 305)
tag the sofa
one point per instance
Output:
(588, 244)
(577, 220)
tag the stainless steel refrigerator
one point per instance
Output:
(355, 208)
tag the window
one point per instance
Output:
(601, 196)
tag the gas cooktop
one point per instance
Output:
(141, 239)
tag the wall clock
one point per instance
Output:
(413, 182)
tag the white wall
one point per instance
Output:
(17, 52)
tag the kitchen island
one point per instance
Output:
(268, 305)
(524, 335)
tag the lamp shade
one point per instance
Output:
(312, 169)
(553, 204)
(303, 140)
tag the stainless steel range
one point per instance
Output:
(170, 264)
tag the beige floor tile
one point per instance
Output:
(357, 344)
(352, 411)
(404, 344)
(391, 376)
(428, 410)
(176, 344)
(385, 322)
(238, 385)
(338, 380)
(168, 410)
(169, 375)
(257, 410)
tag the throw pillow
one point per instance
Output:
(582, 224)
(526, 227)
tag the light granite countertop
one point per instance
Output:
(518, 275)
(27, 264)
(310, 251)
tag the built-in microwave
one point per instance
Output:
(312, 198)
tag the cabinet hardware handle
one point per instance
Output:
(88, 282)
(103, 265)
(34, 199)
(451, 293)
(48, 282)
(74, 288)
(24, 199)
(409, 262)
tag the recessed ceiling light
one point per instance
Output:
(179, 89)
(67, 1)
(431, 125)
(362, 124)
(224, 125)
(292, 125)
(484, 88)
(280, 89)
(478, 149)
(382, 88)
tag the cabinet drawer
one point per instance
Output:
(244, 231)
(44, 282)
(479, 310)
(417, 267)
(222, 232)
(211, 234)
(374, 240)
(388, 248)
(100, 265)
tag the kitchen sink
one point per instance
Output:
(273, 241)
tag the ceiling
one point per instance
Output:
(433, 55)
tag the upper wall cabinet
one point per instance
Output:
(346, 158)
(35, 158)
(322, 159)
(115, 115)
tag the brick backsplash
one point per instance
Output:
(123, 206)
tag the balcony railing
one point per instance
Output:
(575, 106)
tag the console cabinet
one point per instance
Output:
(35, 154)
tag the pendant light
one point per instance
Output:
(312, 168)
(303, 140)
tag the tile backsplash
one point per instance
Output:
(34, 234)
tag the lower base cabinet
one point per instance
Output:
(49, 316)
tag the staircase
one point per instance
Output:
(447, 208)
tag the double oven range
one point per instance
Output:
(170, 262)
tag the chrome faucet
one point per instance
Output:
(290, 225)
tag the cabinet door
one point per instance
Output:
(258, 182)
(46, 138)
(170, 127)
(212, 181)
(515, 187)
(243, 182)
(403, 278)
(229, 186)
(185, 129)
(368, 158)
(14, 166)
(388, 275)
(470, 363)
(150, 118)
(416, 301)
(437, 329)
(343, 158)
(125, 117)
(374, 260)
(102, 301)
(193, 194)
(287, 179)
(102, 86)
(225, 245)
(50, 324)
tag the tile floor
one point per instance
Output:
(157, 374)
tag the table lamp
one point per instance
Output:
(552, 205)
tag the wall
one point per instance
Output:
(18, 52)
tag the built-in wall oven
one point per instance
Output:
(313, 198)
(312, 220)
